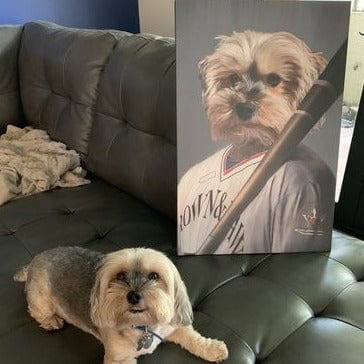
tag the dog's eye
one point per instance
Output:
(122, 276)
(234, 79)
(273, 79)
(153, 276)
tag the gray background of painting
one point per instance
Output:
(322, 25)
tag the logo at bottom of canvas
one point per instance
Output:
(313, 224)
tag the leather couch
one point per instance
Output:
(111, 96)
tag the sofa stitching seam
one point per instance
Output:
(347, 322)
(279, 342)
(23, 245)
(221, 284)
(338, 294)
(221, 323)
(130, 125)
(288, 289)
(13, 91)
(68, 97)
(64, 62)
(343, 265)
(121, 108)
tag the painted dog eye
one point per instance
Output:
(234, 79)
(273, 79)
(153, 276)
(122, 276)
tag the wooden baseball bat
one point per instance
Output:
(317, 101)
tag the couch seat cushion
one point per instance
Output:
(272, 308)
(97, 216)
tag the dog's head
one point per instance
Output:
(253, 82)
(139, 287)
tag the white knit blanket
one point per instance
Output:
(30, 162)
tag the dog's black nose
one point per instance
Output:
(134, 297)
(245, 110)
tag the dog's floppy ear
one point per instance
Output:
(183, 314)
(313, 64)
(209, 69)
(319, 62)
(203, 66)
(95, 302)
(102, 310)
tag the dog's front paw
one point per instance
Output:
(208, 349)
(215, 350)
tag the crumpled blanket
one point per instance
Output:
(30, 162)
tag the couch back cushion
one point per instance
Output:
(60, 70)
(133, 139)
(10, 105)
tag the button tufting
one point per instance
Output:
(101, 235)
(67, 212)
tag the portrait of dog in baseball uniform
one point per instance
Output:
(251, 84)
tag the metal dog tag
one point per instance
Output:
(145, 341)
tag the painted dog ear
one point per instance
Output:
(319, 62)
(203, 67)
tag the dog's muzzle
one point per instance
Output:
(245, 110)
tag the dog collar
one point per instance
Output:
(146, 340)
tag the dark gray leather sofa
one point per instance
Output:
(111, 96)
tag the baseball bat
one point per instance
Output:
(317, 101)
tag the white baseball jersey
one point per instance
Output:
(293, 212)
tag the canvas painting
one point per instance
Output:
(259, 87)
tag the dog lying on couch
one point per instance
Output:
(111, 96)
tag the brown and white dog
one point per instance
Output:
(252, 84)
(131, 300)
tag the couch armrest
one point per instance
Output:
(10, 103)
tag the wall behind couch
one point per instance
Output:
(157, 17)
(114, 14)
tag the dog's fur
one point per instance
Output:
(252, 84)
(95, 292)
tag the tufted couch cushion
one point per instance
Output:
(10, 105)
(60, 69)
(134, 124)
(106, 94)
(280, 308)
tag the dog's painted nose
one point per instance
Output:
(245, 110)
(134, 297)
